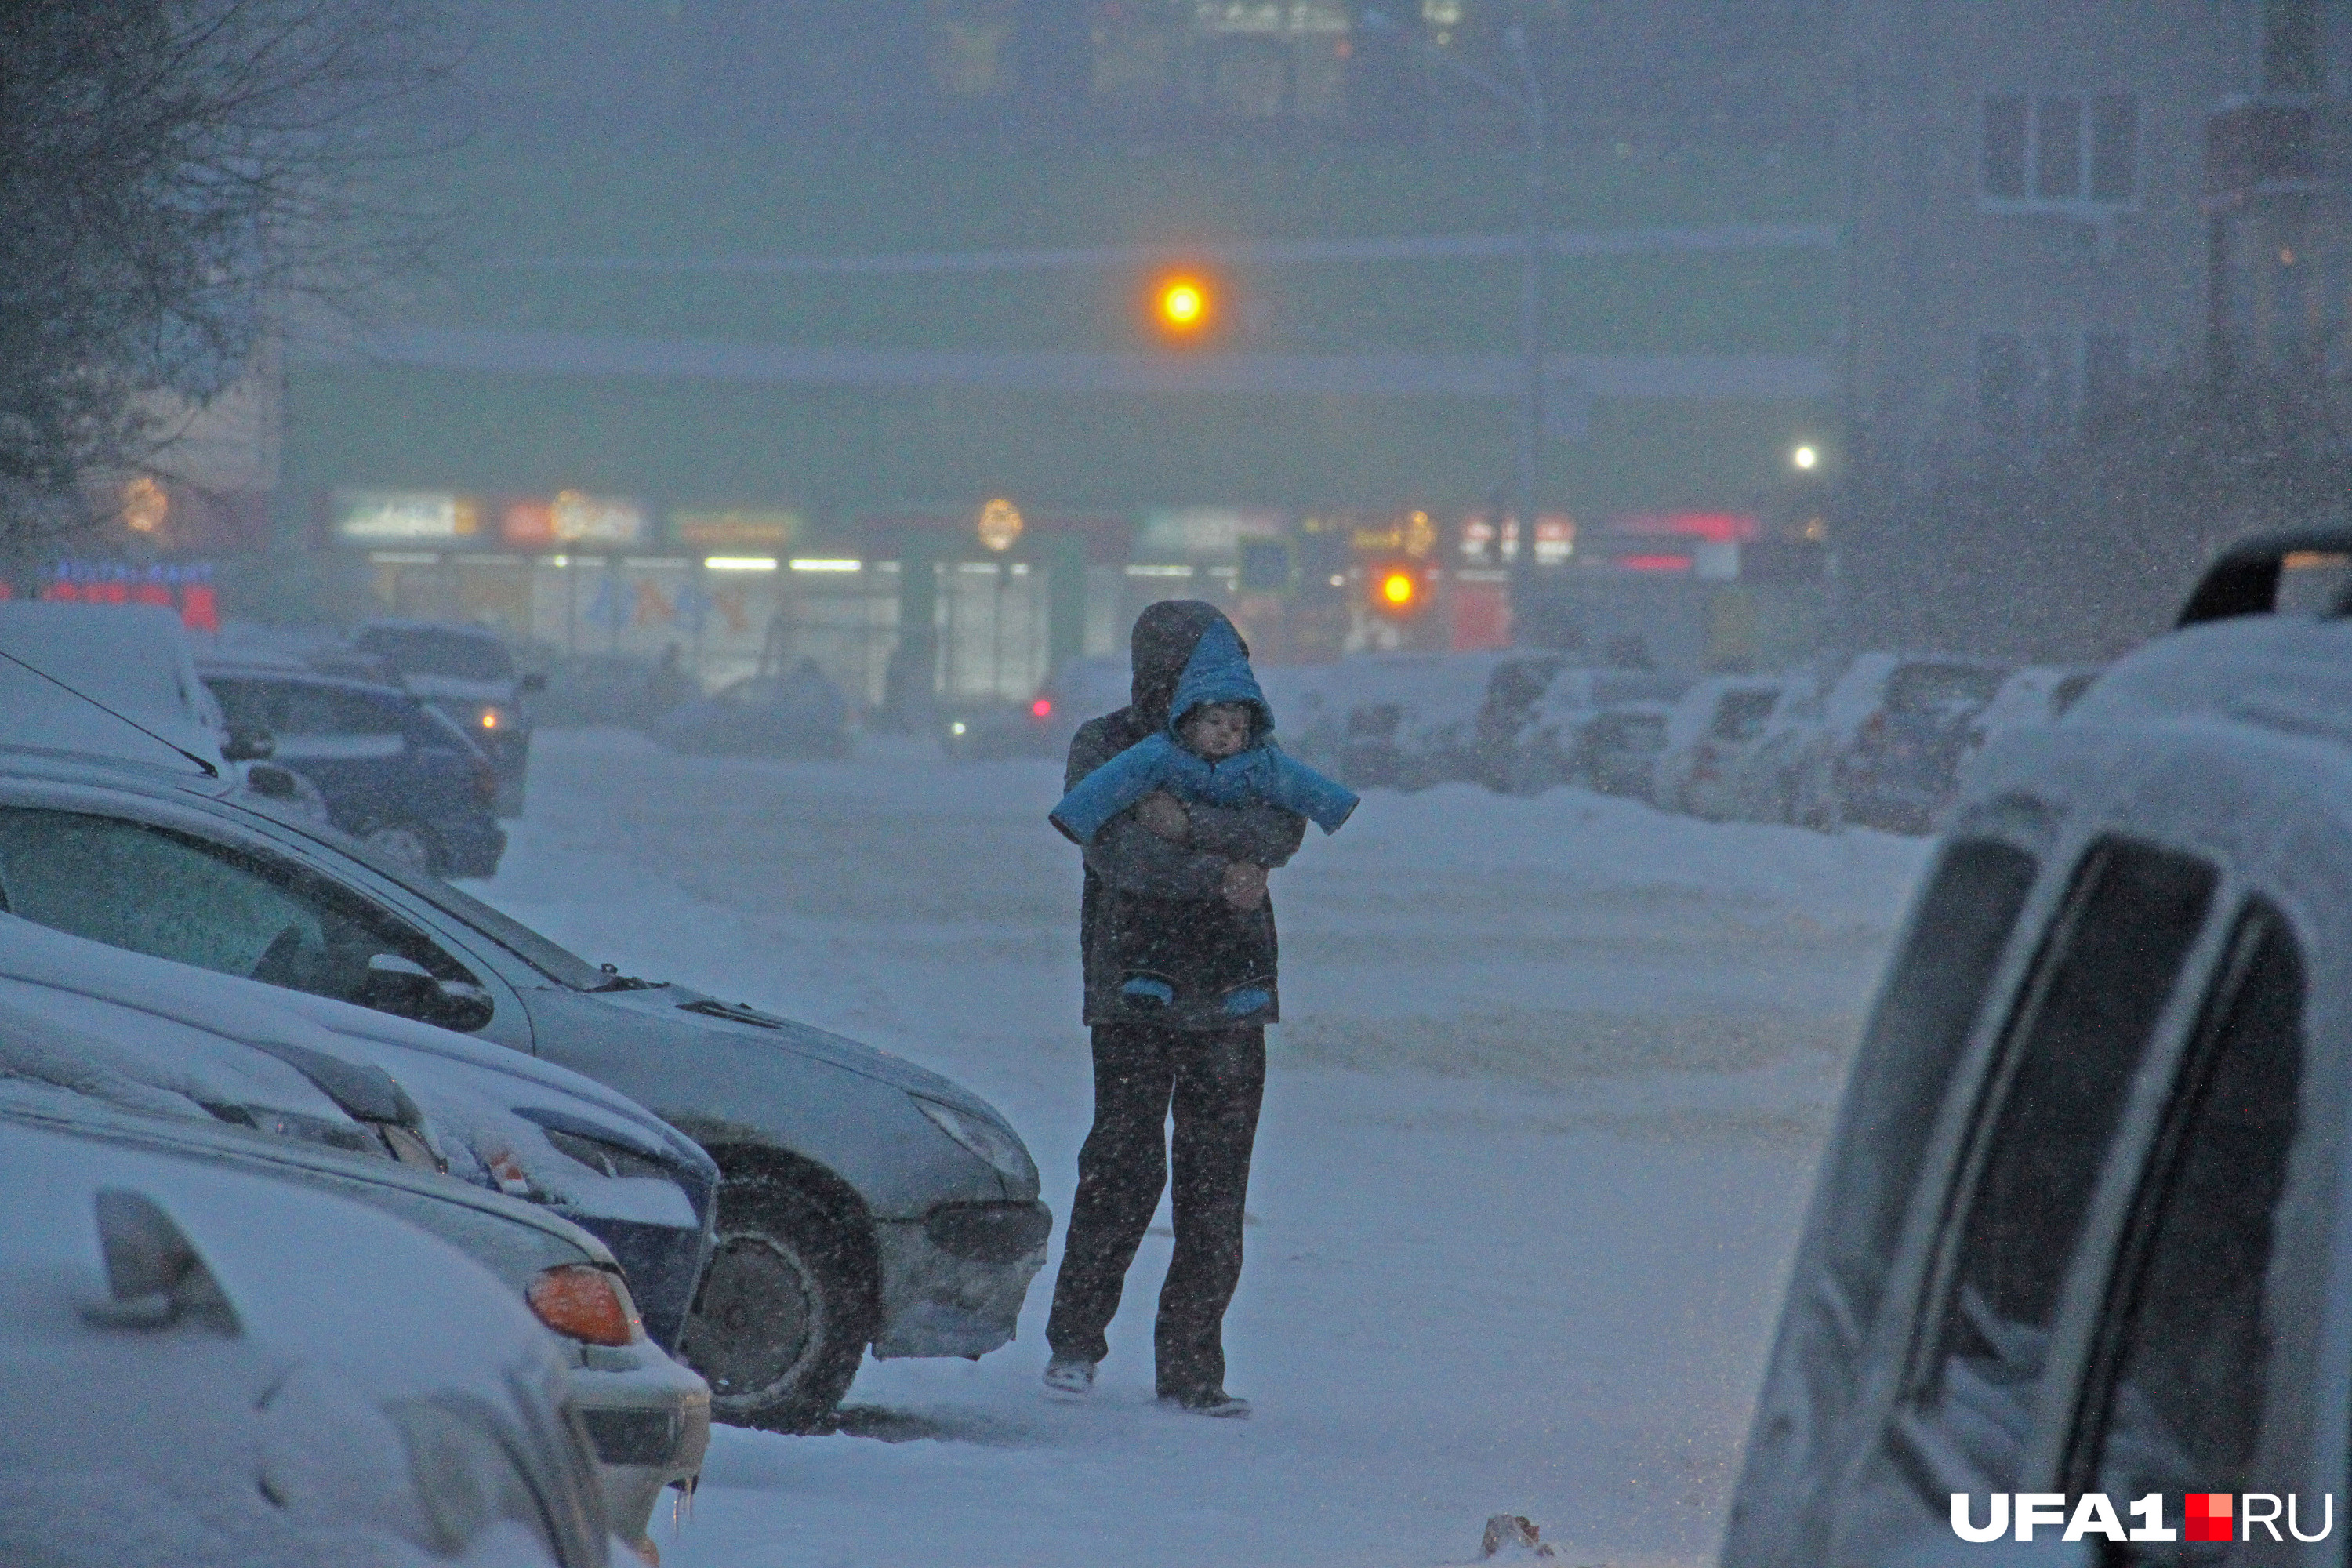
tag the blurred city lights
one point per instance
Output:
(1000, 524)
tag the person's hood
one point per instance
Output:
(1219, 671)
(1165, 635)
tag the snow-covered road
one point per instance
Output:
(1536, 1139)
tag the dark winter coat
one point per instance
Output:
(1161, 946)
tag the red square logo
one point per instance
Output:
(2208, 1516)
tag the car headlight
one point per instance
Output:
(583, 1302)
(983, 1139)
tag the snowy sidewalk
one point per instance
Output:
(1535, 1143)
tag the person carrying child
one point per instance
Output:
(1178, 940)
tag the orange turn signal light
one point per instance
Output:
(582, 1303)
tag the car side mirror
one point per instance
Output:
(406, 989)
(535, 681)
(249, 743)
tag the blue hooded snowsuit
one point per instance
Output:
(1218, 671)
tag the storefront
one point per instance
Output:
(1005, 598)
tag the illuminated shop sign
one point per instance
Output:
(735, 529)
(404, 517)
(573, 518)
(185, 587)
(1203, 531)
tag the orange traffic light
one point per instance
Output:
(1182, 304)
(1397, 591)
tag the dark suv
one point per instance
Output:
(467, 673)
(394, 773)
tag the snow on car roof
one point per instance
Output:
(300, 1267)
(2287, 673)
(131, 658)
(479, 1098)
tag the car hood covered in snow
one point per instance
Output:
(500, 1119)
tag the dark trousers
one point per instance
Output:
(1213, 1081)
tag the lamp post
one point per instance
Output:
(1527, 99)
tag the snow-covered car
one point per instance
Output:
(469, 673)
(2034, 694)
(2082, 1229)
(1406, 721)
(1044, 726)
(210, 1368)
(500, 1121)
(1715, 725)
(120, 681)
(799, 712)
(866, 1201)
(1766, 781)
(391, 770)
(1903, 762)
(1598, 728)
(119, 1072)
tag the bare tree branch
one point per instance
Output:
(172, 172)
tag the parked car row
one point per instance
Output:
(1882, 741)
(203, 987)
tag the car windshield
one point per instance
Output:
(453, 653)
(558, 963)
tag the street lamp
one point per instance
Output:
(1183, 305)
(1805, 458)
(1528, 100)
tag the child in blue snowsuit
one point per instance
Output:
(1218, 750)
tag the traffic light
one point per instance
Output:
(1398, 591)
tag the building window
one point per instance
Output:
(2294, 47)
(1256, 59)
(970, 46)
(2061, 151)
(2035, 389)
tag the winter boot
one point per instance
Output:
(1209, 1401)
(1069, 1380)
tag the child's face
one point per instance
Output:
(1217, 730)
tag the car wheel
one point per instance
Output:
(784, 1312)
(403, 846)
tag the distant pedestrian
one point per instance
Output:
(1178, 941)
(667, 686)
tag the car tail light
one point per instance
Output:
(582, 1303)
(1042, 709)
